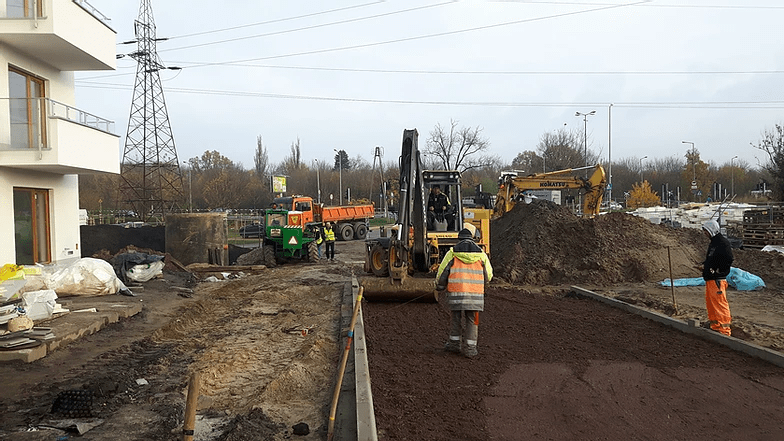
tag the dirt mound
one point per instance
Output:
(546, 244)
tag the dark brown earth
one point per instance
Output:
(557, 367)
(546, 244)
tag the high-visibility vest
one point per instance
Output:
(466, 285)
(329, 234)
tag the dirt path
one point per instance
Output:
(560, 368)
(257, 380)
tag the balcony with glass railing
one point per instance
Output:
(46, 135)
(70, 35)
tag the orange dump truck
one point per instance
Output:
(349, 221)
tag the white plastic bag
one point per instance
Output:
(145, 271)
(86, 277)
(39, 305)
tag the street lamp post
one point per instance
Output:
(609, 154)
(190, 188)
(732, 170)
(340, 171)
(641, 180)
(694, 187)
(585, 135)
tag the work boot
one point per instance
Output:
(452, 346)
(470, 351)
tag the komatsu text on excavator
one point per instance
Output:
(404, 264)
(512, 186)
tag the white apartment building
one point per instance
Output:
(45, 141)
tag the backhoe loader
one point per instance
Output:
(512, 187)
(404, 264)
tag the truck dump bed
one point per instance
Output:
(343, 213)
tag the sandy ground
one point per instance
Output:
(260, 373)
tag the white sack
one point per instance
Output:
(86, 277)
(145, 271)
(39, 305)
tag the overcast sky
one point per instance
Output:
(353, 74)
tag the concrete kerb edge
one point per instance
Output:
(689, 328)
(366, 417)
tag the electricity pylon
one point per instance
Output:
(151, 178)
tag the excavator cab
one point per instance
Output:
(447, 217)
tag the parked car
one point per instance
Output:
(253, 230)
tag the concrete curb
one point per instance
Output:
(692, 327)
(366, 417)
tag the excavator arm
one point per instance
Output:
(512, 187)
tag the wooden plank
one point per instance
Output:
(226, 269)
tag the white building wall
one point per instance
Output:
(63, 188)
(63, 212)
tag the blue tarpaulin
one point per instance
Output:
(738, 279)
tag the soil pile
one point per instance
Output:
(546, 244)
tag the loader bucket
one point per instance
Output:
(413, 289)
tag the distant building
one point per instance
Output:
(45, 142)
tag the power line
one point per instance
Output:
(425, 36)
(279, 20)
(399, 40)
(649, 5)
(631, 104)
(473, 72)
(304, 28)
(505, 72)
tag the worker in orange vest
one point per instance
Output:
(463, 274)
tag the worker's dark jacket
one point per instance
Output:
(719, 259)
(438, 202)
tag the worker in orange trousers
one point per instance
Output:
(715, 270)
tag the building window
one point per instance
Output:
(24, 8)
(28, 110)
(31, 226)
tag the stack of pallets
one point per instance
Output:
(763, 227)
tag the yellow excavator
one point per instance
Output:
(512, 187)
(403, 265)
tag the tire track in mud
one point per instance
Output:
(245, 358)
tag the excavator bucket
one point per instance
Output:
(411, 289)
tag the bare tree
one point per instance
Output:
(563, 149)
(293, 161)
(458, 148)
(261, 159)
(528, 161)
(772, 143)
(218, 181)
